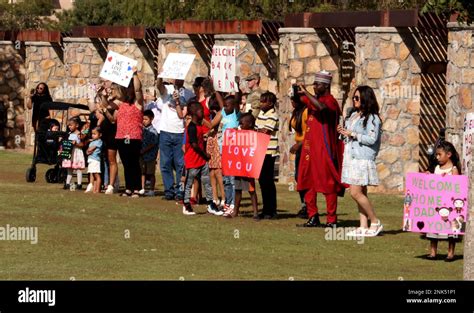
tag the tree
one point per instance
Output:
(25, 14)
(464, 9)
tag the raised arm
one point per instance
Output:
(137, 86)
(220, 100)
(314, 102)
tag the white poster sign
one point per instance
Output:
(118, 68)
(177, 65)
(223, 64)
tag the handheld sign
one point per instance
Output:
(243, 152)
(177, 65)
(118, 69)
(223, 68)
(435, 204)
(467, 142)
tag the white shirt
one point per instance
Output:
(169, 121)
(156, 107)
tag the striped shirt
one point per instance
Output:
(269, 120)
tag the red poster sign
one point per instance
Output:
(243, 152)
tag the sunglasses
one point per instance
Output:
(356, 98)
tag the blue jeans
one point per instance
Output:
(229, 189)
(171, 153)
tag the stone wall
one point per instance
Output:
(303, 52)
(12, 82)
(385, 63)
(82, 64)
(459, 81)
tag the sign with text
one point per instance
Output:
(243, 152)
(435, 203)
(223, 63)
(118, 69)
(177, 65)
(467, 142)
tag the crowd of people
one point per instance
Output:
(185, 128)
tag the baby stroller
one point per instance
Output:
(47, 142)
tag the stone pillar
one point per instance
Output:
(12, 82)
(303, 52)
(82, 68)
(391, 67)
(459, 81)
(44, 63)
(137, 50)
(181, 43)
(253, 57)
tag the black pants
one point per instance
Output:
(267, 186)
(130, 155)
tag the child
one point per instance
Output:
(247, 122)
(149, 153)
(93, 161)
(215, 166)
(195, 160)
(77, 161)
(228, 118)
(267, 123)
(448, 164)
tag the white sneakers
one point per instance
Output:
(89, 188)
(213, 209)
(109, 190)
(188, 209)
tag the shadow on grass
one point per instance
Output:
(440, 257)
(392, 232)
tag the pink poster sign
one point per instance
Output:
(435, 204)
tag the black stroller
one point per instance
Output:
(47, 143)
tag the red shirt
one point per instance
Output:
(194, 134)
(129, 122)
(207, 112)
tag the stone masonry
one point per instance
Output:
(459, 81)
(12, 82)
(385, 63)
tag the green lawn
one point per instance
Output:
(82, 237)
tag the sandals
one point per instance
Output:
(374, 232)
(359, 232)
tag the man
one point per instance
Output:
(253, 98)
(321, 154)
(171, 129)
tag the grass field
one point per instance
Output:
(84, 236)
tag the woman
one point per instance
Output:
(128, 115)
(298, 124)
(37, 97)
(105, 115)
(362, 135)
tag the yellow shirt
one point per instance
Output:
(299, 137)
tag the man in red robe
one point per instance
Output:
(321, 156)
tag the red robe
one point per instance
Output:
(317, 170)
